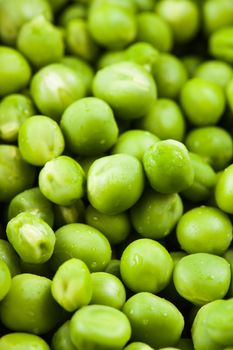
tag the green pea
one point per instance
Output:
(61, 339)
(164, 175)
(131, 90)
(111, 57)
(165, 119)
(220, 44)
(57, 5)
(154, 320)
(15, 71)
(5, 279)
(32, 201)
(155, 214)
(31, 237)
(145, 5)
(203, 102)
(99, 327)
(22, 341)
(170, 75)
(54, 87)
(115, 227)
(201, 277)
(29, 305)
(71, 12)
(72, 285)
(216, 15)
(14, 110)
(148, 272)
(138, 346)
(154, 30)
(115, 183)
(142, 53)
(191, 63)
(223, 191)
(82, 242)
(229, 258)
(62, 180)
(113, 267)
(68, 214)
(9, 256)
(15, 174)
(204, 230)
(229, 94)
(213, 143)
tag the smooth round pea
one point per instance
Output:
(111, 57)
(101, 327)
(22, 341)
(203, 101)
(68, 214)
(137, 346)
(154, 320)
(146, 266)
(155, 214)
(9, 256)
(213, 143)
(115, 227)
(54, 87)
(43, 133)
(31, 237)
(15, 71)
(82, 242)
(220, 44)
(216, 15)
(61, 339)
(223, 190)
(62, 180)
(14, 110)
(72, 285)
(5, 279)
(201, 277)
(204, 230)
(142, 53)
(72, 11)
(164, 175)
(29, 305)
(131, 90)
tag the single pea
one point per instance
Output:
(31, 237)
(155, 214)
(68, 214)
(154, 320)
(223, 190)
(170, 75)
(213, 143)
(154, 30)
(32, 201)
(72, 285)
(89, 126)
(148, 272)
(29, 305)
(204, 230)
(61, 339)
(62, 180)
(115, 183)
(5, 279)
(191, 63)
(203, 101)
(72, 11)
(131, 89)
(9, 256)
(15, 71)
(180, 14)
(220, 44)
(142, 53)
(165, 119)
(113, 267)
(204, 180)
(168, 166)
(110, 57)
(22, 341)
(137, 346)
(15, 174)
(54, 87)
(202, 277)
(14, 110)
(82, 242)
(99, 327)
(115, 227)
(217, 14)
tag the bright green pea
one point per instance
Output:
(54, 87)
(72, 11)
(223, 190)
(15, 71)
(68, 214)
(5, 279)
(82, 242)
(213, 143)
(204, 230)
(165, 119)
(203, 101)
(113, 267)
(31, 237)
(154, 320)
(217, 14)
(15, 174)
(168, 166)
(72, 285)
(220, 44)
(61, 338)
(156, 214)
(33, 201)
(138, 346)
(14, 110)
(115, 183)
(201, 277)
(142, 53)
(131, 90)
(111, 57)
(62, 180)
(148, 272)
(99, 327)
(22, 341)
(29, 305)
(216, 71)
(229, 257)
(9, 256)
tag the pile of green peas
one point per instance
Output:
(116, 174)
